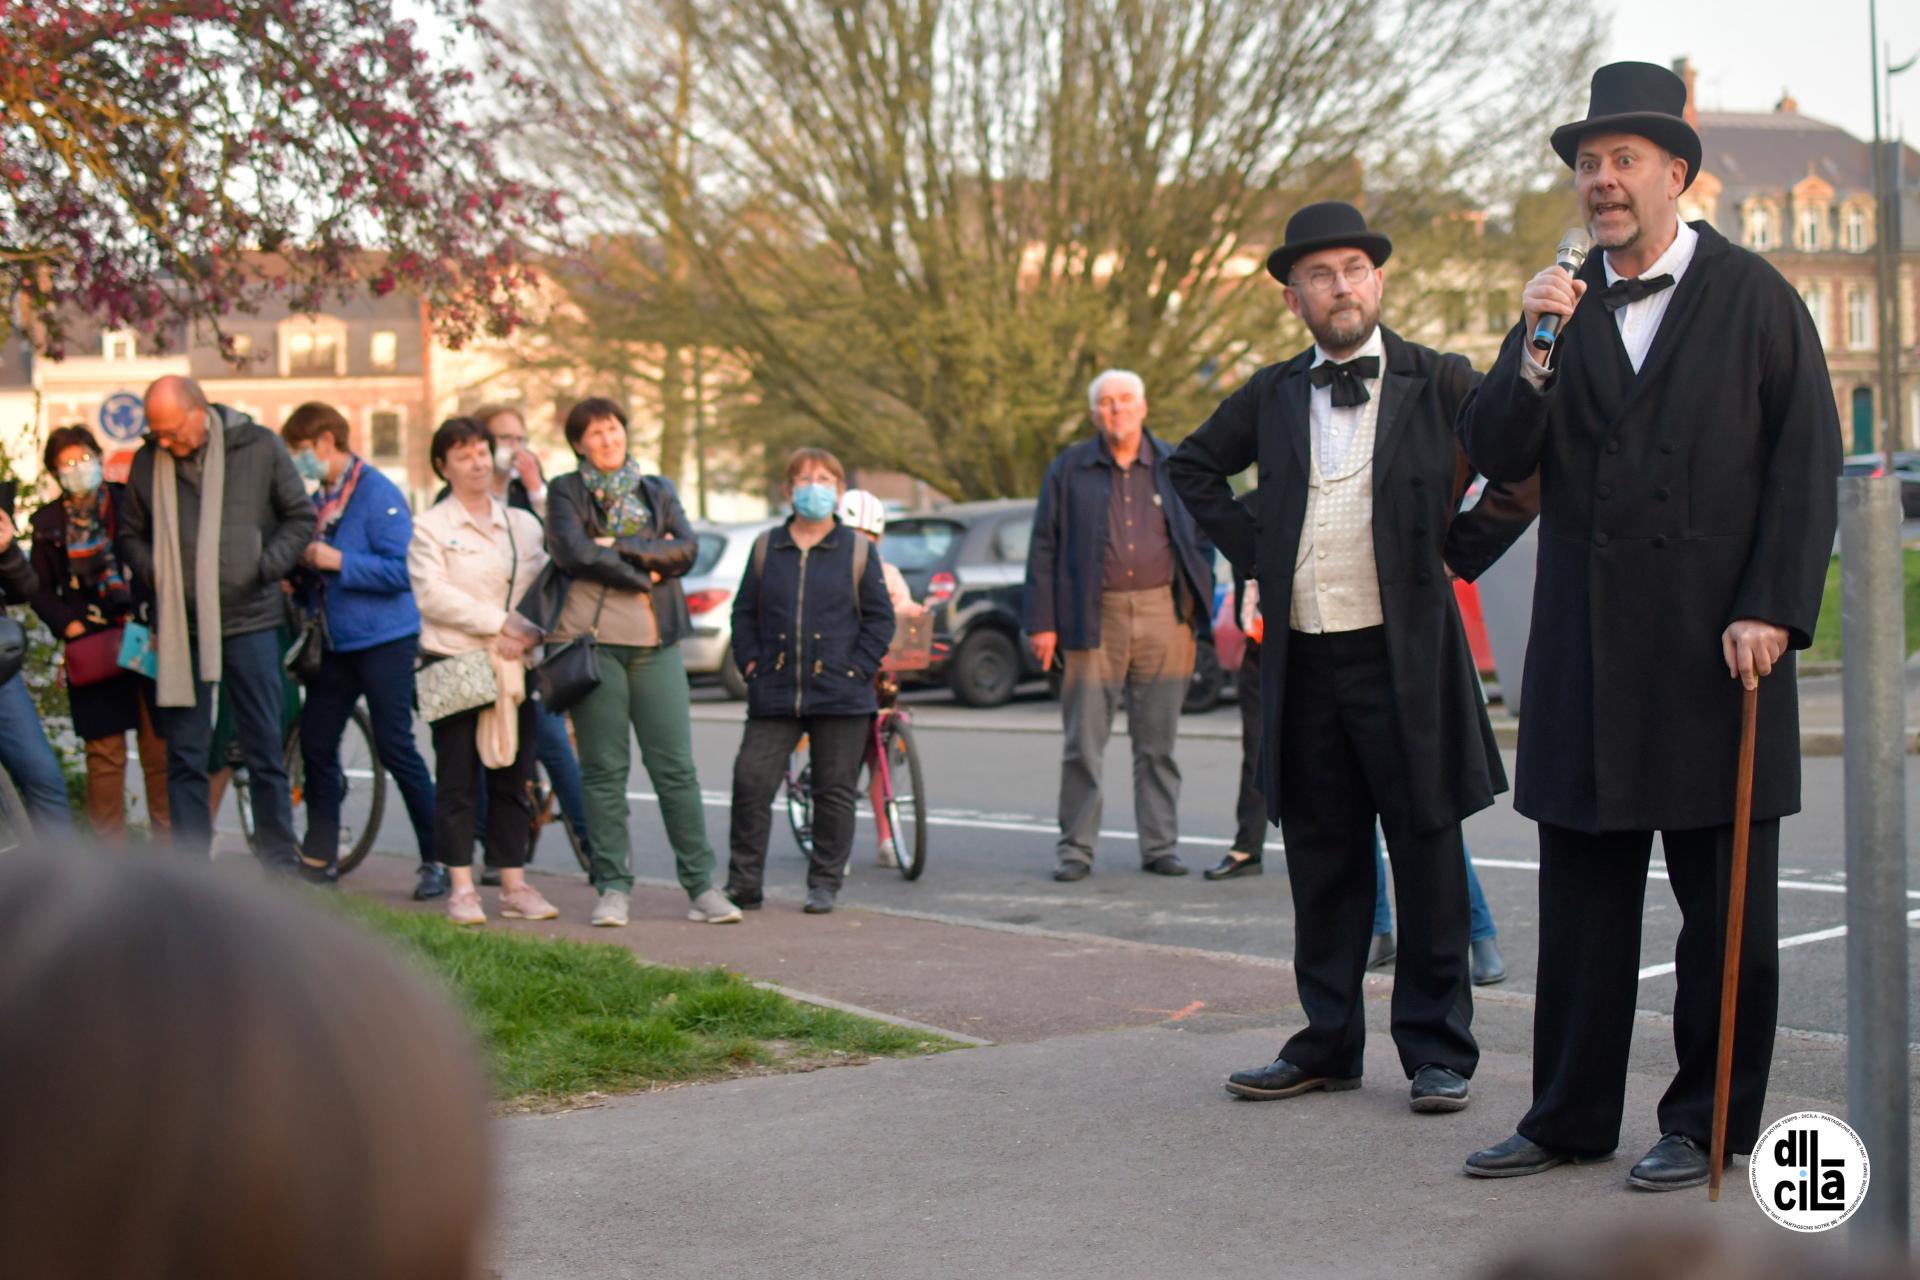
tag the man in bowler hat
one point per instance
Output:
(1371, 706)
(1686, 441)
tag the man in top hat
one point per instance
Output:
(1371, 706)
(1686, 441)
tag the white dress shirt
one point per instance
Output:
(1336, 584)
(1638, 322)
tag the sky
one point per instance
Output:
(1747, 51)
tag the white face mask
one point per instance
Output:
(503, 456)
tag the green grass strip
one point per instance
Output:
(1826, 645)
(560, 1018)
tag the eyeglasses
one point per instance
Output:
(1320, 279)
(74, 464)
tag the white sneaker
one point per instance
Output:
(611, 911)
(886, 856)
(712, 907)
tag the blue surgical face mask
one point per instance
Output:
(308, 464)
(815, 501)
(84, 478)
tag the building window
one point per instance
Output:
(1760, 236)
(313, 354)
(120, 344)
(1854, 228)
(386, 434)
(384, 351)
(1815, 296)
(1860, 318)
(1807, 230)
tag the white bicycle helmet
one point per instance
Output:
(863, 511)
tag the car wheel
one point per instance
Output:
(731, 680)
(1203, 692)
(985, 670)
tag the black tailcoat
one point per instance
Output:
(1452, 764)
(1673, 502)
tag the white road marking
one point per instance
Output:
(1797, 940)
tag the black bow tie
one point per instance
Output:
(1626, 292)
(1345, 379)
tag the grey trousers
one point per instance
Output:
(1145, 655)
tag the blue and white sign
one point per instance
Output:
(123, 417)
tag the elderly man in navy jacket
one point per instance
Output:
(1119, 585)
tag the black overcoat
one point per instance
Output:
(1673, 502)
(1452, 764)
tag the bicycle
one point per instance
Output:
(363, 789)
(891, 756)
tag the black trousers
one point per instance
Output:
(837, 746)
(458, 777)
(1592, 893)
(1340, 756)
(1250, 809)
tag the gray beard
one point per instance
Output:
(1343, 336)
(1626, 241)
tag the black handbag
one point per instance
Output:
(309, 648)
(572, 671)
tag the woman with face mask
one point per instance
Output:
(354, 575)
(85, 597)
(810, 624)
(623, 542)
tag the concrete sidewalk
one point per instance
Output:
(1093, 1138)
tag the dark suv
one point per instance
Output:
(967, 563)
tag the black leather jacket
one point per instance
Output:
(574, 520)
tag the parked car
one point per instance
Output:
(710, 586)
(1906, 466)
(968, 564)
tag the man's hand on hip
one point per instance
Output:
(1043, 644)
(1751, 647)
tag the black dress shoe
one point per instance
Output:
(1382, 953)
(1489, 966)
(1437, 1088)
(1234, 863)
(745, 899)
(1281, 1079)
(1517, 1157)
(1676, 1161)
(1167, 864)
(819, 902)
(1071, 869)
(490, 877)
(433, 883)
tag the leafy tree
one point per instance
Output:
(171, 160)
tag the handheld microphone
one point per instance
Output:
(1569, 257)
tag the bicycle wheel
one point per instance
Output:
(800, 805)
(16, 828)
(906, 810)
(363, 790)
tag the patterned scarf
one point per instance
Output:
(93, 572)
(332, 504)
(620, 497)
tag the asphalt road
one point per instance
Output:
(991, 794)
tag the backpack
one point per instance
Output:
(860, 549)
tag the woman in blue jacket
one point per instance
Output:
(810, 625)
(356, 576)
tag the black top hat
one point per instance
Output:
(1331, 224)
(1638, 98)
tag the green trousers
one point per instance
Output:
(645, 688)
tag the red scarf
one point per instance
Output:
(332, 504)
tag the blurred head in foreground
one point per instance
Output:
(199, 1080)
(1647, 1250)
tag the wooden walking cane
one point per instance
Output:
(1736, 921)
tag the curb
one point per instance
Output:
(892, 1020)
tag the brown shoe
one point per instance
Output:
(526, 903)
(463, 907)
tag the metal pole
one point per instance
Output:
(1873, 650)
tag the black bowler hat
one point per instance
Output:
(1331, 224)
(1639, 98)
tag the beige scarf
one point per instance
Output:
(497, 733)
(170, 591)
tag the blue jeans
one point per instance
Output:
(29, 760)
(1482, 919)
(555, 753)
(382, 674)
(250, 675)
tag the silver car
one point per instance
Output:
(710, 587)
